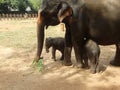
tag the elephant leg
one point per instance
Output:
(53, 54)
(68, 47)
(94, 64)
(85, 60)
(78, 54)
(62, 57)
(116, 61)
(67, 56)
(40, 35)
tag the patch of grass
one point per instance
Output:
(38, 64)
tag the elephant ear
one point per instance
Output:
(65, 10)
(49, 38)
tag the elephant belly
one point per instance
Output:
(105, 34)
(102, 26)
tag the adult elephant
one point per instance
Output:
(97, 20)
(48, 15)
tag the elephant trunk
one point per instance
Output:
(40, 36)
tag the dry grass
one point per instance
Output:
(21, 35)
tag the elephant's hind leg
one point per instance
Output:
(116, 61)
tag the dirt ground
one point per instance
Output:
(17, 73)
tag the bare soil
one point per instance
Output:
(17, 73)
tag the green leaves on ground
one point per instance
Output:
(39, 64)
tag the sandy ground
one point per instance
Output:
(17, 73)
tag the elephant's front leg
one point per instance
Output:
(68, 47)
(78, 43)
(78, 53)
(116, 61)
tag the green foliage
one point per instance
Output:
(39, 64)
(20, 5)
(36, 4)
(14, 4)
(4, 5)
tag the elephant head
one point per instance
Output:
(64, 11)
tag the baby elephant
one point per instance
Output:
(56, 43)
(91, 52)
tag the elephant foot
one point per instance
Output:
(67, 63)
(101, 68)
(116, 60)
(115, 63)
(85, 66)
(79, 65)
(92, 71)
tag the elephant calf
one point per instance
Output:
(57, 43)
(91, 52)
